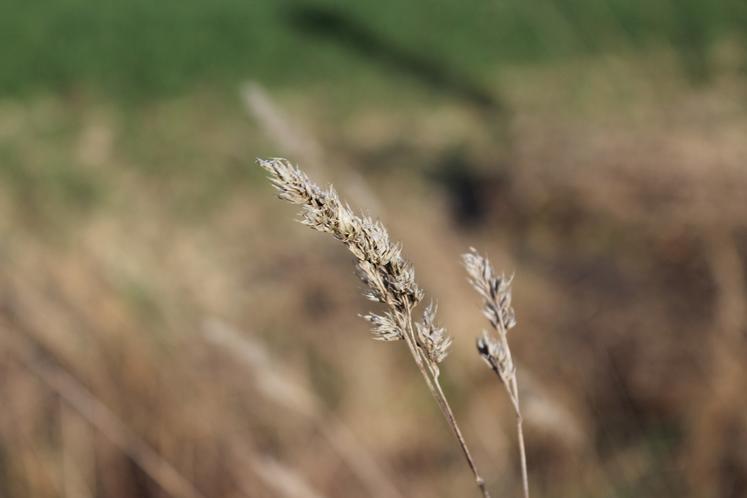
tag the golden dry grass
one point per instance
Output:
(625, 221)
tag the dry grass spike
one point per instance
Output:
(389, 278)
(493, 347)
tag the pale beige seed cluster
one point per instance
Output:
(496, 293)
(493, 347)
(389, 278)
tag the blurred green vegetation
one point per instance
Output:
(139, 49)
(157, 52)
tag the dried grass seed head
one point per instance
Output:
(380, 261)
(384, 327)
(431, 338)
(380, 266)
(496, 354)
(495, 290)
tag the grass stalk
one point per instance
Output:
(494, 348)
(432, 381)
(389, 278)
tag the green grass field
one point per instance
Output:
(139, 49)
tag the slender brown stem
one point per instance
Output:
(458, 433)
(520, 434)
(513, 392)
(434, 386)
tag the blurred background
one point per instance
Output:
(167, 330)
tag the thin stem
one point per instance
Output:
(435, 387)
(513, 392)
(520, 433)
(458, 433)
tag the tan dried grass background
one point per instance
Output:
(626, 221)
